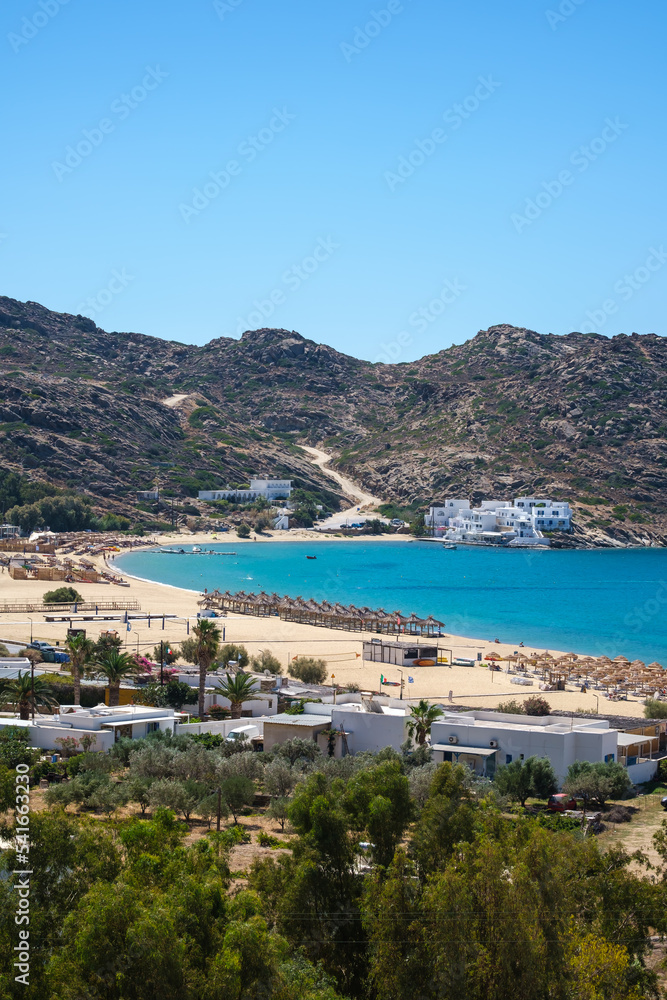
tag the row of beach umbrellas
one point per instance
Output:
(345, 616)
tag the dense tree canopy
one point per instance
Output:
(398, 878)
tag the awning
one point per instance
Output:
(135, 722)
(457, 748)
(632, 739)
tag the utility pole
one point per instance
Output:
(161, 662)
(402, 683)
(32, 685)
(219, 808)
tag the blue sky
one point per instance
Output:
(387, 178)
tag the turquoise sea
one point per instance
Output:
(595, 602)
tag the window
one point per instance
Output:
(152, 727)
(508, 758)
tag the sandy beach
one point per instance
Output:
(474, 686)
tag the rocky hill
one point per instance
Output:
(509, 412)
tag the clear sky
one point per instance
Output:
(384, 177)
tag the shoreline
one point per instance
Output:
(341, 650)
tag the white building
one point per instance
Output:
(269, 489)
(106, 724)
(487, 740)
(518, 523)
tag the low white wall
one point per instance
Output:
(45, 737)
(644, 771)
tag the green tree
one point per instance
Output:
(523, 778)
(170, 655)
(655, 709)
(232, 651)
(421, 718)
(297, 749)
(238, 688)
(279, 810)
(265, 660)
(243, 531)
(25, 694)
(174, 694)
(378, 801)
(447, 819)
(81, 652)
(62, 595)
(116, 667)
(238, 792)
(597, 782)
(207, 636)
(308, 669)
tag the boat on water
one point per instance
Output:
(311, 557)
(449, 545)
(195, 552)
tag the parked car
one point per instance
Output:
(241, 733)
(561, 803)
(40, 645)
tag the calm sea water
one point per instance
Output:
(595, 602)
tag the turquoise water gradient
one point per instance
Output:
(596, 602)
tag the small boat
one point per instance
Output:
(311, 557)
(195, 548)
(449, 545)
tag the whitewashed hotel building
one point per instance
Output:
(519, 522)
(269, 489)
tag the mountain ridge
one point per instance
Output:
(511, 411)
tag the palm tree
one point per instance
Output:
(19, 694)
(237, 689)
(422, 715)
(115, 666)
(81, 651)
(207, 637)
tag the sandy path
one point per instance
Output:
(321, 459)
(175, 400)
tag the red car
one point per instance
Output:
(561, 802)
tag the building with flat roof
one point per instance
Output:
(488, 740)
(520, 522)
(269, 489)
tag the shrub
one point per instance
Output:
(262, 523)
(620, 814)
(512, 707)
(536, 705)
(218, 712)
(62, 595)
(243, 531)
(266, 661)
(266, 840)
(654, 709)
(3, 650)
(308, 669)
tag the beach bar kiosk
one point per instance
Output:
(402, 654)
